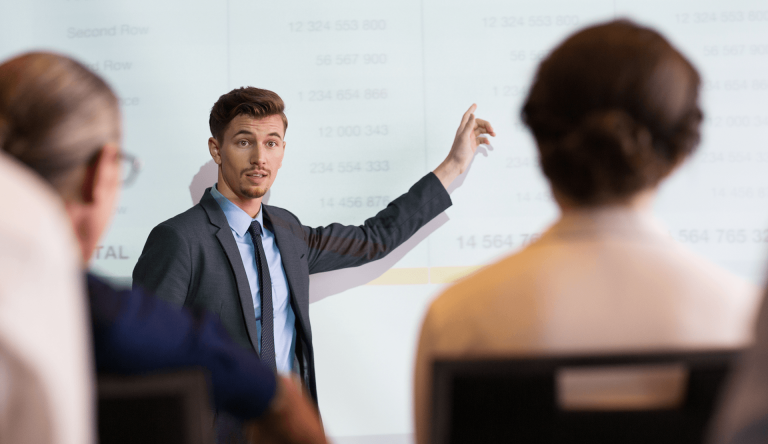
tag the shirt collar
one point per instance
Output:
(238, 220)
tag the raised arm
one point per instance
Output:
(337, 246)
(470, 134)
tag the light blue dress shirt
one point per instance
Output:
(284, 318)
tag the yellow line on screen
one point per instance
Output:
(423, 275)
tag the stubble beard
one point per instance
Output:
(253, 193)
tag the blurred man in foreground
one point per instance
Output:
(45, 364)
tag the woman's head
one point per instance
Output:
(614, 109)
(63, 122)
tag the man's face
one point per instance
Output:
(249, 155)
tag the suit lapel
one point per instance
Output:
(227, 241)
(289, 256)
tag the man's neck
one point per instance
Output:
(251, 206)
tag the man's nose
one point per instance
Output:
(257, 157)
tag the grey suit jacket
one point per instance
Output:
(192, 259)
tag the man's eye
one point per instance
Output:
(243, 143)
(271, 144)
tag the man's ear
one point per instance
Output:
(213, 148)
(101, 172)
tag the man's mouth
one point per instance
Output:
(256, 178)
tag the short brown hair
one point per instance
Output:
(55, 115)
(613, 109)
(247, 100)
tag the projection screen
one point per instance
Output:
(374, 93)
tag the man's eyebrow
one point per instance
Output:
(243, 131)
(248, 133)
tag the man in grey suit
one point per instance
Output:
(250, 263)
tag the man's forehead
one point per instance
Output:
(257, 125)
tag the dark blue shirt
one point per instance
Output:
(135, 333)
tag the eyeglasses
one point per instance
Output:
(131, 166)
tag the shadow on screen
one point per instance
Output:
(482, 149)
(322, 285)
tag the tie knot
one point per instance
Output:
(255, 228)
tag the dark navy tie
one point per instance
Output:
(265, 284)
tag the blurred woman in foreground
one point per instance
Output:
(63, 122)
(614, 111)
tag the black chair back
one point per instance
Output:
(167, 408)
(515, 400)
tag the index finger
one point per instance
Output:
(469, 128)
(466, 115)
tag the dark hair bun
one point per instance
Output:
(614, 110)
(609, 153)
